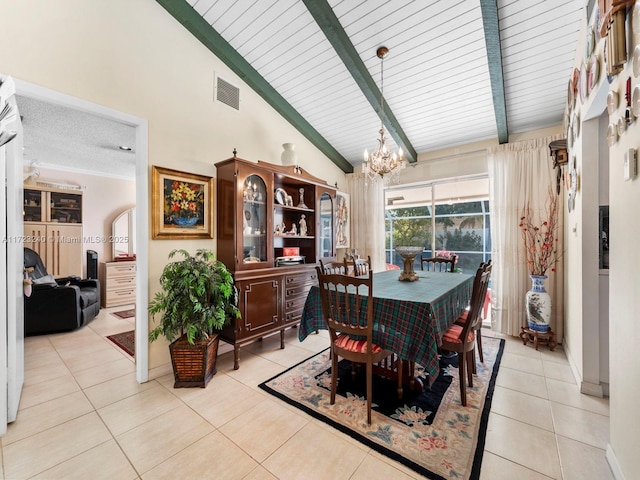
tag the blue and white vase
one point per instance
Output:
(538, 304)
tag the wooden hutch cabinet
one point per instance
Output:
(273, 224)
(53, 228)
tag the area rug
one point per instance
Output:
(429, 431)
(125, 340)
(126, 313)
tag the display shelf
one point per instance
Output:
(252, 197)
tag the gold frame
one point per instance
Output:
(202, 226)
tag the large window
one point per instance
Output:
(443, 218)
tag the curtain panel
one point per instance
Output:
(521, 173)
(367, 218)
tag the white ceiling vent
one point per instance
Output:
(227, 93)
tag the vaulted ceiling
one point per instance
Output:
(457, 72)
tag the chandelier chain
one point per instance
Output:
(382, 162)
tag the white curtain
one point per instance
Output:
(367, 218)
(520, 173)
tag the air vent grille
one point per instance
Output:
(227, 93)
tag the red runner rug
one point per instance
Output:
(125, 340)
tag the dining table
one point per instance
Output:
(410, 318)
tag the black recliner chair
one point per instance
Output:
(57, 305)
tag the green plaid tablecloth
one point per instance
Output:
(411, 316)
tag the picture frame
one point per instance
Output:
(182, 205)
(343, 215)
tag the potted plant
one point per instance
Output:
(198, 298)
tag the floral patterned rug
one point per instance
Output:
(429, 431)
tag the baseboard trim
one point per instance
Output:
(587, 388)
(574, 368)
(591, 389)
(613, 463)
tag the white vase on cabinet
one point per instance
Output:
(289, 157)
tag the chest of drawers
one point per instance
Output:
(118, 283)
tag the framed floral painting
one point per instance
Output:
(182, 204)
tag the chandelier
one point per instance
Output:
(382, 161)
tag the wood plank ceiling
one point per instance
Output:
(458, 71)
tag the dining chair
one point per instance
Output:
(332, 266)
(461, 338)
(347, 306)
(462, 319)
(361, 266)
(439, 264)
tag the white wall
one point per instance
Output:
(624, 298)
(624, 287)
(132, 56)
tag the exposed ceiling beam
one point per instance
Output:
(210, 38)
(330, 25)
(494, 57)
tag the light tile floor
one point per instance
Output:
(83, 415)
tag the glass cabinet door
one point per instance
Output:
(325, 232)
(254, 220)
(66, 207)
(32, 209)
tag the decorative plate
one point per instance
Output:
(590, 44)
(576, 126)
(635, 101)
(583, 83)
(594, 73)
(636, 61)
(281, 196)
(576, 81)
(635, 21)
(612, 102)
(571, 95)
(573, 185)
(612, 134)
(622, 126)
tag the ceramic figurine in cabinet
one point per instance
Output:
(301, 203)
(303, 226)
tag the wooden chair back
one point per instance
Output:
(480, 284)
(347, 307)
(332, 266)
(439, 264)
(347, 304)
(361, 266)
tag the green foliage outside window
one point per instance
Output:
(458, 229)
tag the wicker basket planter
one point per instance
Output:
(194, 365)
